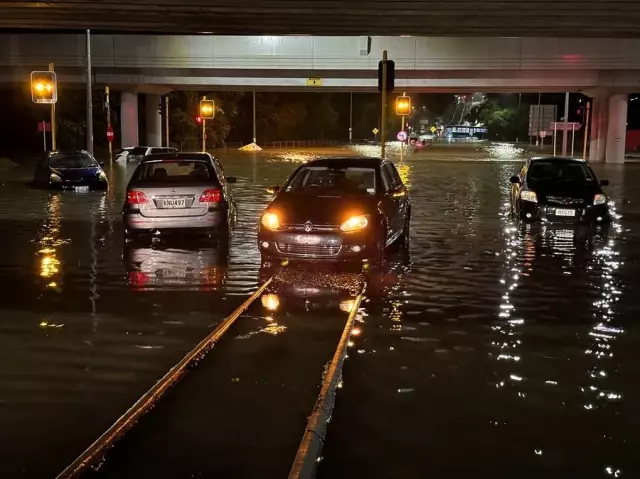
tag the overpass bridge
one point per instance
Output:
(606, 69)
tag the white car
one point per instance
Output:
(138, 153)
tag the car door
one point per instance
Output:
(387, 204)
(396, 200)
(400, 195)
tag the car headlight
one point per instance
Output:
(529, 196)
(355, 223)
(55, 178)
(102, 176)
(270, 220)
(600, 199)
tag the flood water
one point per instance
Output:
(492, 350)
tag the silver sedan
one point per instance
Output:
(179, 192)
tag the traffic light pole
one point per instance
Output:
(166, 120)
(53, 118)
(89, 97)
(204, 132)
(383, 126)
(108, 108)
(402, 142)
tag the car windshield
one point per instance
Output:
(553, 171)
(72, 160)
(139, 150)
(182, 172)
(333, 181)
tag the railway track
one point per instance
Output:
(99, 453)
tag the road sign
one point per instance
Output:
(433, 129)
(44, 126)
(314, 81)
(571, 126)
(542, 133)
(402, 136)
(540, 116)
(109, 133)
(375, 131)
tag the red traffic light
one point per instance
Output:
(199, 120)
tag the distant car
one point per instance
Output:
(179, 193)
(138, 153)
(336, 209)
(75, 170)
(559, 189)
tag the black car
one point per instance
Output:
(559, 189)
(75, 170)
(336, 209)
(179, 193)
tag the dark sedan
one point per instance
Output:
(559, 189)
(70, 170)
(336, 209)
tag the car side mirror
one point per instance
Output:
(231, 179)
(101, 163)
(273, 189)
(515, 180)
(604, 182)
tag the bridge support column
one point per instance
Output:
(617, 129)
(599, 125)
(128, 119)
(153, 119)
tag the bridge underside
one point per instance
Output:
(521, 18)
(443, 81)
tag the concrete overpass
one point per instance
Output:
(155, 64)
(514, 18)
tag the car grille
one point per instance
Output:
(564, 201)
(315, 228)
(309, 250)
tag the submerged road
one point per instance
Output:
(490, 349)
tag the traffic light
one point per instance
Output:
(391, 76)
(44, 87)
(199, 120)
(207, 109)
(403, 106)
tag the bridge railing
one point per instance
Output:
(196, 144)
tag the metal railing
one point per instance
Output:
(196, 144)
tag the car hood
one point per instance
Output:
(564, 190)
(76, 173)
(321, 210)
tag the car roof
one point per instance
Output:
(177, 155)
(355, 161)
(557, 158)
(67, 152)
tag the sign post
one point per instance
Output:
(107, 105)
(542, 134)
(375, 132)
(586, 131)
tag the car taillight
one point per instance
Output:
(136, 197)
(211, 196)
(138, 278)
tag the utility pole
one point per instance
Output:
(166, 121)
(53, 117)
(586, 131)
(383, 123)
(108, 108)
(89, 97)
(255, 135)
(350, 117)
(565, 126)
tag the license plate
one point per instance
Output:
(308, 239)
(80, 189)
(174, 203)
(563, 212)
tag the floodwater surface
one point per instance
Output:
(493, 349)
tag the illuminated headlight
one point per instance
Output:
(53, 178)
(599, 199)
(529, 196)
(102, 176)
(270, 221)
(355, 223)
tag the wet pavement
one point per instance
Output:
(492, 350)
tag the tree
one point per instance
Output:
(501, 123)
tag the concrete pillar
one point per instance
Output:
(128, 119)
(617, 130)
(598, 128)
(153, 119)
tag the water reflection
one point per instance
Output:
(48, 243)
(168, 266)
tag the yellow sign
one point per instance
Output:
(433, 129)
(314, 81)
(375, 131)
